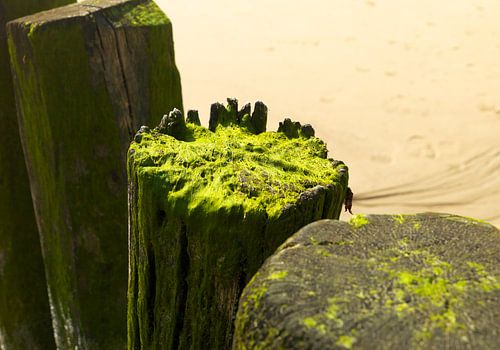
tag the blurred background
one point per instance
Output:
(406, 93)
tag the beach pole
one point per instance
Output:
(86, 76)
(24, 308)
(207, 206)
(424, 281)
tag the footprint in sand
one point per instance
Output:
(324, 99)
(488, 108)
(417, 146)
(381, 158)
(362, 70)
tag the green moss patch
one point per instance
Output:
(207, 207)
(136, 13)
(234, 167)
(358, 221)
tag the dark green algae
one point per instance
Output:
(25, 321)
(206, 209)
(76, 150)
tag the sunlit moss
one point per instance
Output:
(358, 221)
(346, 341)
(278, 275)
(234, 167)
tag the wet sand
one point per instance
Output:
(406, 93)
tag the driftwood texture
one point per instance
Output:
(86, 77)
(206, 208)
(425, 281)
(24, 307)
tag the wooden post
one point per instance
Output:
(425, 281)
(86, 77)
(24, 308)
(206, 208)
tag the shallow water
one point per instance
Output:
(406, 93)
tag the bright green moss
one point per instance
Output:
(238, 195)
(486, 282)
(253, 300)
(323, 252)
(358, 221)
(399, 218)
(234, 168)
(333, 312)
(346, 341)
(434, 290)
(344, 242)
(134, 14)
(310, 322)
(257, 294)
(278, 275)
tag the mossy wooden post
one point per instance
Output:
(206, 208)
(24, 308)
(425, 281)
(86, 77)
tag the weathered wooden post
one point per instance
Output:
(24, 308)
(207, 206)
(86, 77)
(425, 281)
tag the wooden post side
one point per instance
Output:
(207, 207)
(25, 321)
(86, 77)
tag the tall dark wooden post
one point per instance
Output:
(86, 77)
(24, 308)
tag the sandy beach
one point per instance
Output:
(406, 93)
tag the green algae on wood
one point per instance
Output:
(358, 221)
(25, 321)
(86, 77)
(207, 206)
(399, 285)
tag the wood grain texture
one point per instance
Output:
(425, 281)
(87, 76)
(206, 208)
(25, 321)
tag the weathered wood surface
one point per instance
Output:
(86, 77)
(425, 281)
(24, 308)
(206, 208)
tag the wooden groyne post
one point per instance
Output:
(24, 308)
(86, 77)
(424, 281)
(207, 206)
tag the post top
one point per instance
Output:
(124, 12)
(233, 163)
